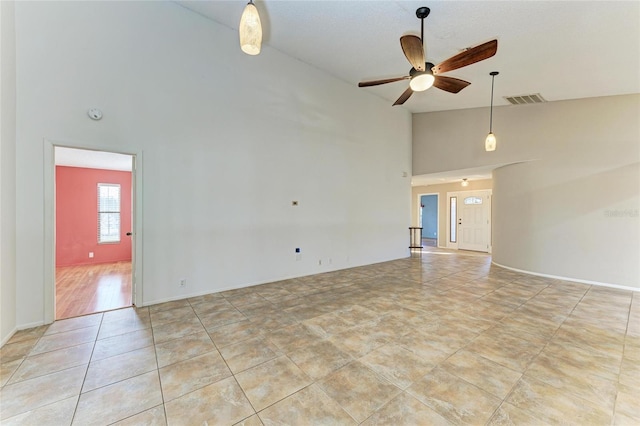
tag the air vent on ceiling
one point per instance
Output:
(535, 98)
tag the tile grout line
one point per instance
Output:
(155, 352)
(255, 413)
(624, 347)
(543, 348)
(28, 355)
(75, 410)
(465, 346)
(504, 400)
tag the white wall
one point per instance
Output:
(7, 171)
(573, 210)
(591, 233)
(228, 142)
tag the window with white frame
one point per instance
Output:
(473, 200)
(453, 219)
(108, 213)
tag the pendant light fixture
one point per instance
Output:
(250, 30)
(490, 141)
(464, 182)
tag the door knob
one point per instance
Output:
(129, 234)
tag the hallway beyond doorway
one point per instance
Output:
(430, 242)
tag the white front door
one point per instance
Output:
(474, 209)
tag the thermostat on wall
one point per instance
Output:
(95, 114)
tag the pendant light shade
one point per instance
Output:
(490, 142)
(250, 30)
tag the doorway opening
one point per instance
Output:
(469, 220)
(93, 221)
(428, 219)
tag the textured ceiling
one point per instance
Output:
(561, 49)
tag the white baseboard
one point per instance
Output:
(217, 290)
(18, 328)
(576, 280)
(31, 325)
(256, 283)
(9, 336)
(187, 296)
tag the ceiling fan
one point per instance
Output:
(423, 75)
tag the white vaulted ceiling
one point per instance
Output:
(560, 49)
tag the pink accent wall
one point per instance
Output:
(77, 216)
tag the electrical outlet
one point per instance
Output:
(320, 262)
(90, 255)
(183, 282)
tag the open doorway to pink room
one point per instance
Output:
(94, 242)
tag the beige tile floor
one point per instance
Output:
(441, 338)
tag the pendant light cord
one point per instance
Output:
(493, 78)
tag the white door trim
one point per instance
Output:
(49, 289)
(437, 213)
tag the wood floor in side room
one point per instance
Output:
(87, 289)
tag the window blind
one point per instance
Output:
(108, 213)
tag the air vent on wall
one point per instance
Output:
(535, 98)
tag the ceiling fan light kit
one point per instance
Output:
(490, 142)
(421, 80)
(250, 30)
(424, 74)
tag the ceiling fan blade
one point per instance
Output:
(403, 98)
(413, 50)
(468, 57)
(378, 82)
(449, 84)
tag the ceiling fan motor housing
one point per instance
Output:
(427, 67)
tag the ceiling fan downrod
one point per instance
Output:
(422, 13)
